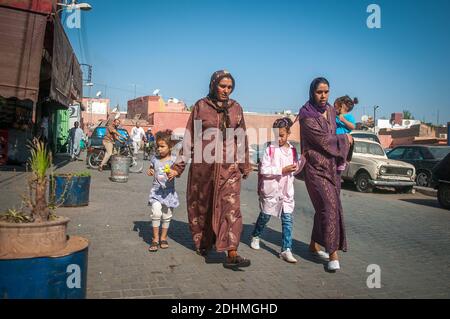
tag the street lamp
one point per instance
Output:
(375, 118)
(75, 6)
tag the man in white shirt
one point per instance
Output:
(137, 135)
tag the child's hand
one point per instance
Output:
(172, 174)
(289, 169)
(150, 172)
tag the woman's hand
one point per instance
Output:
(289, 169)
(172, 174)
(350, 139)
(150, 172)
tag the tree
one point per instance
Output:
(407, 115)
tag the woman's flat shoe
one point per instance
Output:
(334, 265)
(236, 262)
(321, 255)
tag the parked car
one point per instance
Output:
(441, 176)
(366, 135)
(423, 157)
(370, 168)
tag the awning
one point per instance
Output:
(38, 6)
(21, 37)
(66, 83)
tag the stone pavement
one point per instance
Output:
(407, 236)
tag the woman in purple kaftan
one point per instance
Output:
(324, 150)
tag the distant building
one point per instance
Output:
(97, 110)
(143, 107)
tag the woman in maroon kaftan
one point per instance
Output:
(213, 188)
(324, 150)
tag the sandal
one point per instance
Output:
(153, 247)
(163, 244)
(236, 262)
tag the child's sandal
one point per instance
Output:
(163, 244)
(153, 247)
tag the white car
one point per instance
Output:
(370, 168)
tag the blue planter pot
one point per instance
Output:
(61, 277)
(70, 191)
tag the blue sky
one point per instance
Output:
(274, 49)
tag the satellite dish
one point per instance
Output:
(156, 92)
(116, 110)
(364, 118)
(99, 93)
(174, 100)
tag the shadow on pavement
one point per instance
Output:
(432, 202)
(180, 233)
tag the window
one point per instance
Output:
(368, 148)
(439, 152)
(396, 153)
(366, 136)
(413, 154)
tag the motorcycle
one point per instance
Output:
(123, 148)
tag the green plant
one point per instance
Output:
(15, 216)
(40, 161)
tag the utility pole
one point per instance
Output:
(375, 118)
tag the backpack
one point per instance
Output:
(271, 153)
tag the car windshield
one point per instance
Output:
(439, 152)
(364, 136)
(368, 148)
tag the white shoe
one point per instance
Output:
(255, 243)
(321, 254)
(287, 256)
(334, 265)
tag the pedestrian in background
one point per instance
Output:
(345, 121)
(76, 136)
(137, 136)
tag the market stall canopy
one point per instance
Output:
(66, 82)
(37, 6)
(22, 37)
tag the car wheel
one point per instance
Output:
(362, 183)
(444, 195)
(423, 179)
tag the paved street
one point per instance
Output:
(406, 235)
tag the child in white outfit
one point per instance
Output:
(276, 187)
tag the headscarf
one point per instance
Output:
(215, 80)
(311, 109)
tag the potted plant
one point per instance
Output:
(37, 257)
